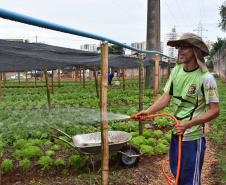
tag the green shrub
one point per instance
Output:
(56, 147)
(25, 164)
(158, 133)
(168, 137)
(7, 165)
(147, 150)
(59, 162)
(48, 143)
(151, 142)
(50, 153)
(76, 161)
(147, 133)
(161, 149)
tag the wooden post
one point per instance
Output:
(80, 74)
(47, 88)
(0, 98)
(104, 123)
(83, 76)
(26, 80)
(123, 77)
(4, 76)
(75, 74)
(119, 73)
(59, 76)
(96, 81)
(35, 78)
(169, 66)
(141, 92)
(156, 77)
(52, 79)
(19, 77)
(41, 75)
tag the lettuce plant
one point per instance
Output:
(76, 161)
(50, 153)
(25, 164)
(157, 133)
(147, 133)
(59, 162)
(161, 149)
(7, 165)
(151, 142)
(45, 162)
(146, 150)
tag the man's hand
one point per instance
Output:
(143, 115)
(181, 127)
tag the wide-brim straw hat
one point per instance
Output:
(200, 48)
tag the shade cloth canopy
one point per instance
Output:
(20, 56)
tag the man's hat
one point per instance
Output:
(200, 48)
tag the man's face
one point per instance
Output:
(186, 53)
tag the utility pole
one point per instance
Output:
(200, 29)
(153, 38)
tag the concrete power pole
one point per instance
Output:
(153, 38)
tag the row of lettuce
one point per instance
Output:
(25, 122)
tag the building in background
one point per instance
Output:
(168, 50)
(89, 47)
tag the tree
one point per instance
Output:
(115, 49)
(222, 23)
(217, 45)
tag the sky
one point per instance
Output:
(123, 21)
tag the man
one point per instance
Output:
(110, 77)
(193, 90)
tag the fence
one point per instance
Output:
(220, 62)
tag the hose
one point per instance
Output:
(179, 147)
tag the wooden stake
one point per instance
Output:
(59, 76)
(4, 76)
(75, 74)
(83, 76)
(47, 88)
(96, 81)
(169, 66)
(26, 80)
(41, 75)
(0, 97)
(80, 74)
(52, 79)
(141, 92)
(123, 77)
(35, 78)
(156, 77)
(19, 77)
(104, 123)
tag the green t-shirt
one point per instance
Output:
(192, 91)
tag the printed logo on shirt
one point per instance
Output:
(192, 90)
(211, 94)
(211, 88)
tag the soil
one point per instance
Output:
(147, 172)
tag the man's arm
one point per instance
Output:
(161, 103)
(213, 112)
